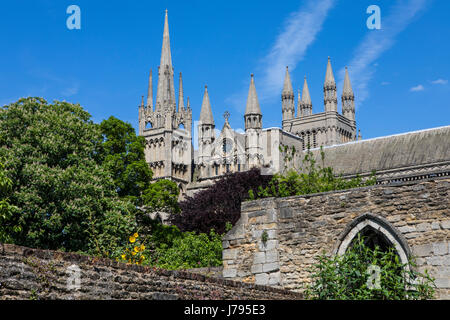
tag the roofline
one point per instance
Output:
(384, 137)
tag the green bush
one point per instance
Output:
(311, 179)
(168, 248)
(191, 251)
(348, 277)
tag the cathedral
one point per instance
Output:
(167, 128)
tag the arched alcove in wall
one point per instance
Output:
(376, 231)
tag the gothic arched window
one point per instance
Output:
(376, 231)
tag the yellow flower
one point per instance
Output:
(124, 257)
(133, 253)
(135, 235)
(132, 239)
(136, 249)
(142, 247)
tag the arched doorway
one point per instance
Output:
(376, 231)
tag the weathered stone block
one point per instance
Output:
(274, 278)
(257, 234)
(435, 261)
(229, 254)
(435, 225)
(272, 234)
(259, 257)
(270, 267)
(440, 248)
(407, 229)
(272, 256)
(286, 213)
(269, 245)
(442, 282)
(262, 278)
(421, 227)
(229, 273)
(256, 268)
(422, 250)
(445, 224)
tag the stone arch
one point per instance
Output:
(377, 226)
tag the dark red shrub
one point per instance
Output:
(212, 208)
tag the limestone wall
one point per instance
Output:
(416, 216)
(39, 274)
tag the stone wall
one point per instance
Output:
(40, 274)
(414, 216)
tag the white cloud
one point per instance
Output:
(417, 88)
(376, 42)
(299, 31)
(439, 81)
(71, 90)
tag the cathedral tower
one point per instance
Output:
(168, 145)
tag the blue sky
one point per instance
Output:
(399, 74)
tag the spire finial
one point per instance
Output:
(287, 87)
(206, 116)
(226, 115)
(165, 94)
(252, 99)
(347, 90)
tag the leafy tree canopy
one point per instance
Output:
(65, 199)
(162, 195)
(122, 154)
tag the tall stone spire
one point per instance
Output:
(348, 98)
(206, 134)
(252, 99)
(253, 115)
(306, 100)
(188, 104)
(180, 95)
(299, 104)
(329, 89)
(287, 98)
(150, 91)
(206, 116)
(165, 95)
(166, 57)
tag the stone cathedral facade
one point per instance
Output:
(167, 127)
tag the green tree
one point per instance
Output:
(348, 277)
(122, 153)
(6, 209)
(162, 195)
(65, 199)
